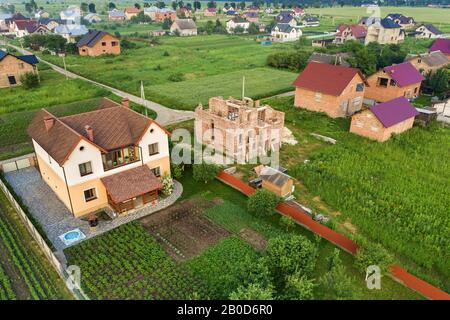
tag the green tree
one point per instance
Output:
(29, 80)
(373, 254)
(253, 28)
(209, 27)
(111, 6)
(287, 223)
(299, 287)
(211, 4)
(84, 7)
(166, 24)
(290, 254)
(262, 203)
(438, 81)
(92, 8)
(252, 292)
(205, 172)
(137, 6)
(364, 61)
(197, 5)
(336, 284)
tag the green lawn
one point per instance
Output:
(205, 66)
(394, 193)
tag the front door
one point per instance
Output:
(12, 80)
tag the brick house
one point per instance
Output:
(398, 80)
(163, 14)
(96, 43)
(336, 90)
(110, 157)
(240, 129)
(346, 32)
(275, 181)
(131, 12)
(22, 28)
(383, 120)
(12, 67)
(384, 31)
(428, 62)
(442, 45)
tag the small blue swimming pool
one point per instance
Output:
(72, 236)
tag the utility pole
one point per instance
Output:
(243, 88)
(143, 98)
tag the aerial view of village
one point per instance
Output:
(215, 150)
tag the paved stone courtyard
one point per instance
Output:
(56, 219)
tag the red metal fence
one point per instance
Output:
(397, 272)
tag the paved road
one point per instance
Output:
(165, 115)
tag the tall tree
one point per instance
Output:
(92, 8)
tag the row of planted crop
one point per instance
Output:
(24, 258)
(128, 263)
(6, 291)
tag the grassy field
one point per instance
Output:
(397, 198)
(25, 274)
(184, 71)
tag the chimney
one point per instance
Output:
(49, 122)
(126, 102)
(89, 132)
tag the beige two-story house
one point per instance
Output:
(112, 156)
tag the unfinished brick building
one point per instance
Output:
(240, 129)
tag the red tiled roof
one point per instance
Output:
(326, 78)
(357, 30)
(28, 25)
(131, 183)
(132, 10)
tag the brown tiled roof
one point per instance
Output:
(326, 78)
(59, 141)
(113, 126)
(131, 183)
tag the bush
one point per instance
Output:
(252, 292)
(29, 80)
(287, 223)
(373, 254)
(205, 172)
(176, 77)
(177, 171)
(167, 185)
(290, 254)
(166, 54)
(262, 203)
(127, 44)
(295, 61)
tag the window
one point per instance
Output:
(374, 129)
(393, 83)
(318, 96)
(85, 168)
(114, 43)
(157, 171)
(383, 82)
(360, 87)
(153, 149)
(90, 195)
(415, 90)
(12, 80)
(103, 44)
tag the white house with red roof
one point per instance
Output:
(346, 32)
(110, 157)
